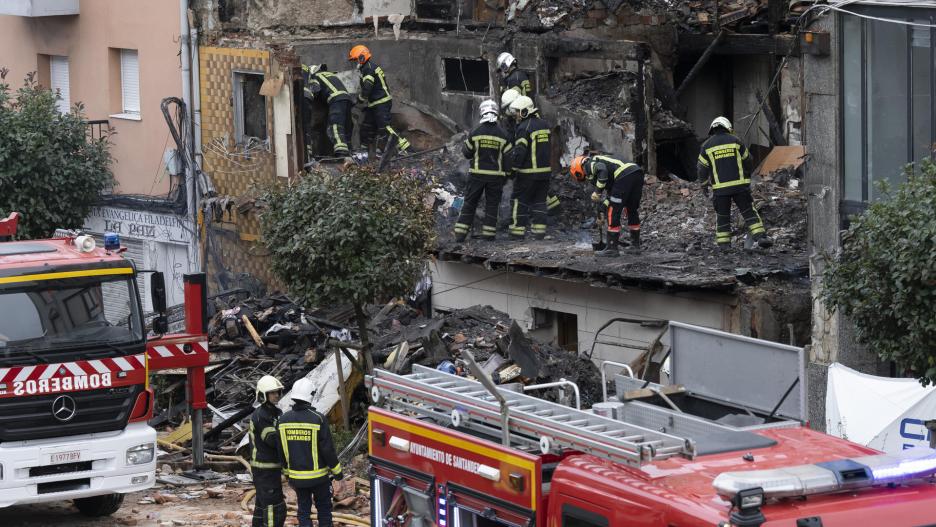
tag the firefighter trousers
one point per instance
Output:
(321, 494)
(528, 204)
(376, 127)
(270, 506)
(624, 199)
(491, 187)
(745, 204)
(339, 126)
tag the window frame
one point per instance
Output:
(849, 207)
(126, 111)
(238, 110)
(63, 105)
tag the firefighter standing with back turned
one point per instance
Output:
(488, 148)
(270, 506)
(324, 85)
(725, 163)
(531, 164)
(622, 181)
(375, 96)
(309, 457)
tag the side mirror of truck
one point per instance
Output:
(158, 297)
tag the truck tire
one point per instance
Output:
(99, 505)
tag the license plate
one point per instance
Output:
(64, 457)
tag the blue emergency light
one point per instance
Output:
(111, 241)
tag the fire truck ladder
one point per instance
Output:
(534, 424)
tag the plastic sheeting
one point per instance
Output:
(880, 412)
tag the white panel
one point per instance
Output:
(130, 81)
(58, 67)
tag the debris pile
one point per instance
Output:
(605, 96)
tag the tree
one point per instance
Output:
(50, 171)
(356, 237)
(885, 277)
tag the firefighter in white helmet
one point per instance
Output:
(310, 461)
(488, 147)
(270, 506)
(725, 164)
(531, 165)
(513, 77)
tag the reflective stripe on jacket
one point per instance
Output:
(488, 147)
(374, 89)
(604, 170)
(263, 439)
(308, 451)
(531, 153)
(723, 158)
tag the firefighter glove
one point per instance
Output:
(595, 197)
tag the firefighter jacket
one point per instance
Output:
(333, 90)
(603, 171)
(488, 148)
(263, 438)
(520, 80)
(531, 154)
(374, 89)
(726, 162)
(308, 453)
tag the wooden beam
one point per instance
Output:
(739, 44)
(700, 63)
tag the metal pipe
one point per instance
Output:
(604, 376)
(185, 55)
(558, 384)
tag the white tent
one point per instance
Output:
(880, 412)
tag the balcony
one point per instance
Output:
(36, 8)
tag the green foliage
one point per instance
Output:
(50, 172)
(354, 237)
(885, 277)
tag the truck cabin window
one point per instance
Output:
(43, 320)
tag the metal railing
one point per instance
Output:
(98, 129)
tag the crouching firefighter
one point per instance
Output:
(311, 463)
(377, 101)
(488, 149)
(323, 85)
(270, 506)
(623, 183)
(725, 163)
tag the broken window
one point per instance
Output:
(250, 114)
(888, 97)
(467, 75)
(555, 326)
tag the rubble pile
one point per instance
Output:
(496, 342)
(606, 96)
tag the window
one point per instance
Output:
(129, 83)
(250, 113)
(466, 75)
(58, 77)
(887, 97)
(573, 516)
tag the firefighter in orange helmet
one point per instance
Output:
(622, 181)
(375, 97)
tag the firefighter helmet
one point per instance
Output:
(720, 122)
(359, 54)
(505, 61)
(488, 111)
(302, 390)
(265, 385)
(577, 170)
(523, 106)
(508, 97)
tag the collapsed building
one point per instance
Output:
(638, 78)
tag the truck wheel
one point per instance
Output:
(99, 505)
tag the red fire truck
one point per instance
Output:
(447, 451)
(74, 363)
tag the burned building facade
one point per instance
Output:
(642, 80)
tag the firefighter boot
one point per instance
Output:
(635, 241)
(763, 241)
(612, 249)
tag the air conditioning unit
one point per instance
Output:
(36, 8)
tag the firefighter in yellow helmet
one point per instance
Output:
(270, 506)
(725, 164)
(375, 96)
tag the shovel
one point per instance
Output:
(601, 244)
